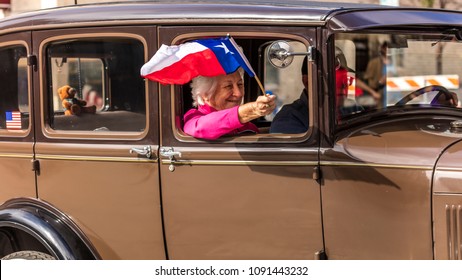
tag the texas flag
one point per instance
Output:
(179, 64)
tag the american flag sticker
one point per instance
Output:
(13, 120)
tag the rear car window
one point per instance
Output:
(103, 75)
(14, 108)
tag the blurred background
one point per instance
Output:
(10, 7)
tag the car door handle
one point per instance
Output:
(145, 151)
(169, 152)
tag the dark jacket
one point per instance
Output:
(292, 118)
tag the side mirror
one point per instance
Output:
(280, 54)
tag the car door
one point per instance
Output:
(16, 133)
(101, 168)
(241, 197)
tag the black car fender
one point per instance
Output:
(47, 225)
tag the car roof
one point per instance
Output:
(200, 11)
(336, 15)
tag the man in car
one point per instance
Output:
(293, 118)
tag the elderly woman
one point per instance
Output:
(219, 107)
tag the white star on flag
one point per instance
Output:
(225, 48)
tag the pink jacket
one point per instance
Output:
(207, 123)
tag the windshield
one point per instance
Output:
(378, 72)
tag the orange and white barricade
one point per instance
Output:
(411, 83)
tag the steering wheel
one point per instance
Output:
(444, 97)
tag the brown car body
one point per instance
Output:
(127, 183)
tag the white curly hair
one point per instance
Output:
(205, 87)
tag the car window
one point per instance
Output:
(283, 81)
(14, 107)
(94, 85)
(399, 71)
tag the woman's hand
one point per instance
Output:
(264, 105)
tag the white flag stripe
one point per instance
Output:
(13, 126)
(168, 55)
(15, 122)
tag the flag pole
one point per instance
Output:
(260, 85)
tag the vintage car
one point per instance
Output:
(376, 174)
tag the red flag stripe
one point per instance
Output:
(200, 63)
